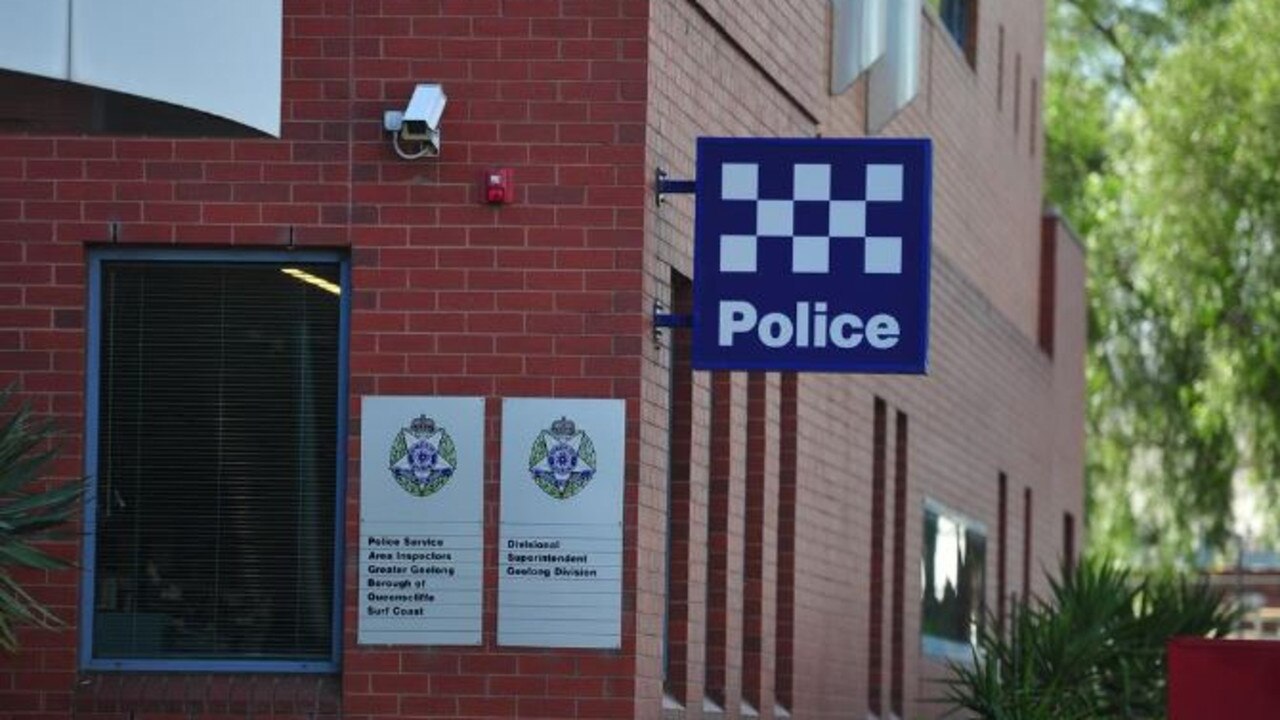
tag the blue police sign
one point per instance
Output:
(812, 255)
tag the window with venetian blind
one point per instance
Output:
(214, 453)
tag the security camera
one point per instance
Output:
(422, 117)
(419, 123)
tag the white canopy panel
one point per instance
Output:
(223, 57)
(34, 37)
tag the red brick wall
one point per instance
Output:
(542, 297)
(550, 296)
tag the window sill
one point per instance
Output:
(246, 667)
(671, 708)
(948, 650)
(317, 696)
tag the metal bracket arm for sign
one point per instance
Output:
(665, 321)
(669, 320)
(662, 186)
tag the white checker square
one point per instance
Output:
(775, 218)
(847, 218)
(811, 255)
(739, 181)
(884, 183)
(812, 182)
(883, 256)
(737, 253)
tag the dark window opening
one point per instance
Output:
(954, 574)
(960, 18)
(217, 461)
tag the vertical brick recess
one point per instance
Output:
(678, 498)
(1048, 283)
(897, 661)
(1033, 117)
(1000, 68)
(1017, 92)
(1068, 540)
(753, 608)
(1002, 550)
(718, 539)
(1027, 542)
(875, 580)
(784, 663)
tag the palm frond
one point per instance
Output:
(30, 514)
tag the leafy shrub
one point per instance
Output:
(1094, 649)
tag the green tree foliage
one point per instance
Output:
(1094, 649)
(1160, 119)
(29, 514)
(1101, 53)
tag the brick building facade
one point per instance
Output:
(774, 525)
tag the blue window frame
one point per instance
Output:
(215, 449)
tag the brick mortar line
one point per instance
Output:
(751, 60)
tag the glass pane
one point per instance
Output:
(953, 571)
(955, 18)
(217, 458)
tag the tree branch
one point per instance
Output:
(1128, 62)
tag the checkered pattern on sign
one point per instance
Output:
(776, 219)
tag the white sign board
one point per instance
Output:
(560, 540)
(421, 520)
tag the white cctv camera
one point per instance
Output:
(419, 123)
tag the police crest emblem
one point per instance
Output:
(423, 457)
(562, 460)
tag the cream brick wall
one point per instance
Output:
(993, 401)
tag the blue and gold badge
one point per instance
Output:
(562, 460)
(423, 457)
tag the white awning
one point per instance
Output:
(222, 57)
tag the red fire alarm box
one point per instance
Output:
(498, 189)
